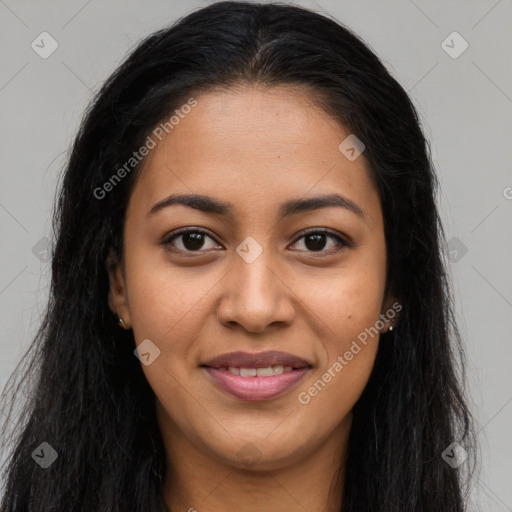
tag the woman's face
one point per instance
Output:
(249, 279)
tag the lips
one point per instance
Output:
(253, 377)
(256, 360)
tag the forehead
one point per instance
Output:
(254, 145)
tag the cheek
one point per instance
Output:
(347, 305)
(347, 301)
(165, 301)
(349, 342)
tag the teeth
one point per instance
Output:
(269, 371)
(248, 372)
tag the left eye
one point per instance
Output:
(191, 240)
(315, 241)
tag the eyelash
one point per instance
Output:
(341, 241)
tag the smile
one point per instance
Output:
(254, 384)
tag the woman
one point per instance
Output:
(249, 305)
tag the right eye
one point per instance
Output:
(189, 240)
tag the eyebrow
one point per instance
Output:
(213, 206)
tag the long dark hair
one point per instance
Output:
(86, 395)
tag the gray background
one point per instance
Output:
(465, 104)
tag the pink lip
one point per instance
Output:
(256, 388)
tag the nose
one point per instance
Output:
(255, 296)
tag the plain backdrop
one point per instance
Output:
(464, 97)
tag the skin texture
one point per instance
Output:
(255, 149)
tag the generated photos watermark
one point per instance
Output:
(150, 143)
(305, 397)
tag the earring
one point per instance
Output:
(121, 322)
(390, 328)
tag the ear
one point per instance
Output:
(391, 308)
(117, 296)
